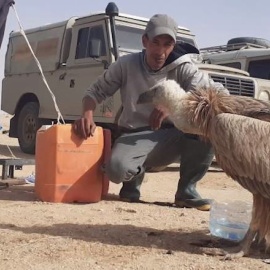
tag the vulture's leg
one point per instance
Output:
(244, 246)
(241, 250)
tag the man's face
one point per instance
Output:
(157, 50)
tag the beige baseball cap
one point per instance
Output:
(161, 24)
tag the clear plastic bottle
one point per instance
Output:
(230, 220)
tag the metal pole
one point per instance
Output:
(112, 11)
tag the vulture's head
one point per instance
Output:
(164, 94)
(169, 96)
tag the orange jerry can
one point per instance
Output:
(69, 169)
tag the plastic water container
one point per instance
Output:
(68, 168)
(230, 220)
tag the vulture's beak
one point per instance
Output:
(146, 97)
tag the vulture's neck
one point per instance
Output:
(198, 108)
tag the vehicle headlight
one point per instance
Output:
(264, 96)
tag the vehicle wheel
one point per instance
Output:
(28, 124)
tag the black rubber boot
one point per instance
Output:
(130, 191)
(196, 158)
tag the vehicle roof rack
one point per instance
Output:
(231, 47)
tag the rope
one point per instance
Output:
(59, 115)
(13, 156)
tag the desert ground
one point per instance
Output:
(112, 234)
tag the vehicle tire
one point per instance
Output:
(252, 40)
(28, 124)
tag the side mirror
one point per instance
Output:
(95, 48)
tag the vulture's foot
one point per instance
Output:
(236, 255)
(233, 252)
(228, 253)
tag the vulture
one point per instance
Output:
(238, 128)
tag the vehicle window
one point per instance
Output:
(232, 65)
(85, 36)
(129, 38)
(260, 69)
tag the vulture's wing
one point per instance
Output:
(262, 114)
(242, 149)
(216, 102)
(250, 107)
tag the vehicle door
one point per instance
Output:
(82, 70)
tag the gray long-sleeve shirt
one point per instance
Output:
(131, 76)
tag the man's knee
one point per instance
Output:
(114, 173)
(118, 171)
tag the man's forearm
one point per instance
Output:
(89, 105)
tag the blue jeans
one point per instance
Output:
(133, 152)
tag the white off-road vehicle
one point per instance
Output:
(245, 53)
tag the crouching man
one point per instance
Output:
(147, 138)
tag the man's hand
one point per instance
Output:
(156, 118)
(85, 126)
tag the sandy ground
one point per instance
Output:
(112, 234)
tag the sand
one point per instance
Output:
(112, 234)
